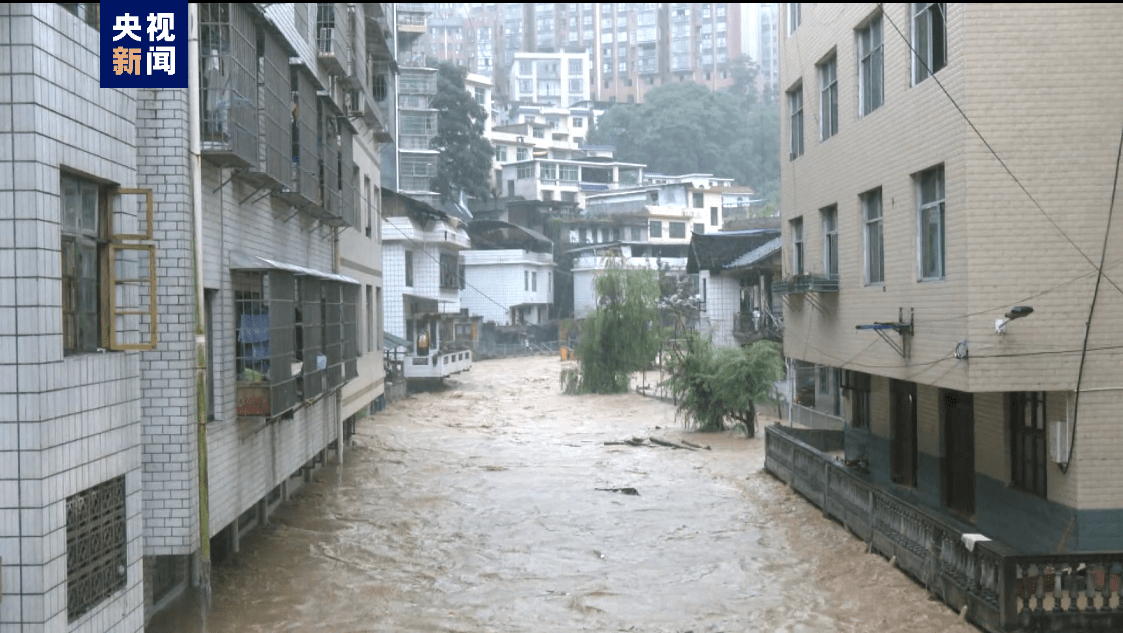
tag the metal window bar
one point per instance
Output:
(333, 41)
(332, 315)
(275, 108)
(315, 361)
(96, 546)
(280, 290)
(227, 49)
(328, 142)
(303, 179)
(351, 308)
(345, 173)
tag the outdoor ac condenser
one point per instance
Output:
(1060, 431)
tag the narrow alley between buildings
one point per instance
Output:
(484, 507)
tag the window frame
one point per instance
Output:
(408, 269)
(1029, 456)
(830, 240)
(655, 229)
(868, 223)
(828, 97)
(924, 54)
(795, 122)
(798, 247)
(938, 270)
(794, 16)
(676, 230)
(871, 62)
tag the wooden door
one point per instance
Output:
(959, 451)
(902, 412)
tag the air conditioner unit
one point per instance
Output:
(358, 103)
(1060, 432)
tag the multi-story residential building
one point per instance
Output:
(633, 47)
(123, 390)
(508, 274)
(552, 79)
(647, 226)
(421, 261)
(973, 328)
(735, 272)
(566, 180)
(409, 165)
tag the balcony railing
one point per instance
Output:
(800, 284)
(438, 365)
(1001, 590)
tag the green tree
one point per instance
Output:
(465, 159)
(718, 384)
(684, 128)
(621, 336)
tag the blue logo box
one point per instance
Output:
(144, 45)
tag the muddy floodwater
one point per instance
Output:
(482, 508)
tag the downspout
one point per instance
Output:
(194, 149)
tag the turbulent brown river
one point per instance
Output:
(479, 508)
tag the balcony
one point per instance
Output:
(412, 18)
(802, 284)
(999, 589)
(333, 42)
(441, 365)
(748, 327)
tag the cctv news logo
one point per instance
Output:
(143, 45)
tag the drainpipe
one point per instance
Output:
(194, 149)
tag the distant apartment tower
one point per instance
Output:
(555, 79)
(409, 164)
(767, 51)
(634, 46)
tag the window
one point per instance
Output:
(522, 154)
(929, 39)
(576, 85)
(526, 85)
(1027, 442)
(677, 230)
(549, 171)
(371, 310)
(858, 384)
(449, 271)
(96, 546)
(578, 121)
(481, 95)
(794, 16)
(83, 236)
(828, 98)
(930, 216)
(526, 280)
(870, 67)
(500, 153)
(652, 197)
(576, 67)
(699, 228)
(713, 216)
(795, 128)
(107, 279)
(525, 171)
(569, 173)
(656, 229)
(797, 246)
(874, 238)
(830, 240)
(534, 282)
(697, 199)
(409, 269)
(637, 234)
(526, 67)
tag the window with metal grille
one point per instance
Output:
(1028, 458)
(228, 65)
(677, 229)
(96, 546)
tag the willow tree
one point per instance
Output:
(621, 336)
(715, 385)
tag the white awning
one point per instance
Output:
(244, 261)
